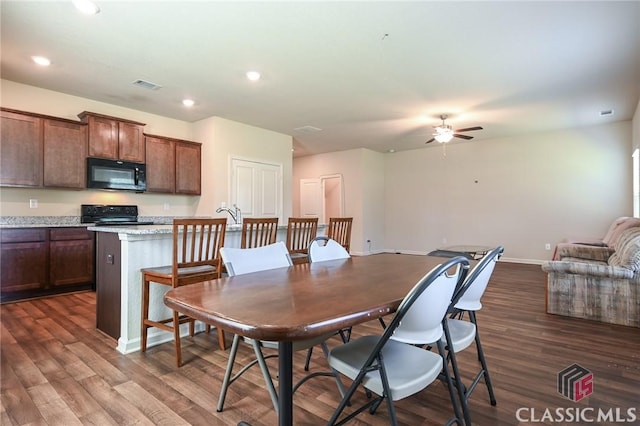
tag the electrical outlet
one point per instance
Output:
(33, 203)
(167, 206)
(547, 246)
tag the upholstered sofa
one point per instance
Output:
(570, 245)
(600, 283)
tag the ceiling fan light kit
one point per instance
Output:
(444, 132)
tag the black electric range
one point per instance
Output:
(110, 215)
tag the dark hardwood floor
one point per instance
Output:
(58, 370)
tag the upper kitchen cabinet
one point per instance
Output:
(38, 150)
(161, 160)
(173, 165)
(188, 167)
(20, 149)
(114, 138)
(65, 153)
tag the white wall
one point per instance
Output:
(362, 171)
(223, 139)
(220, 138)
(521, 192)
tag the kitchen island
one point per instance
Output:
(121, 251)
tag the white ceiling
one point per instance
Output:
(368, 73)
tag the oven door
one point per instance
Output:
(114, 174)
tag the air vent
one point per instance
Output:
(606, 113)
(147, 85)
(307, 129)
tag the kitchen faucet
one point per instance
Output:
(235, 214)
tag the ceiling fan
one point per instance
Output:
(444, 132)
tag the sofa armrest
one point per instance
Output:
(587, 252)
(585, 268)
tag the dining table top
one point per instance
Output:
(306, 300)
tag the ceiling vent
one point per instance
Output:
(606, 113)
(307, 129)
(146, 85)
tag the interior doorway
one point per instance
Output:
(322, 197)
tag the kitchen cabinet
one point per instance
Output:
(114, 138)
(71, 256)
(65, 153)
(20, 149)
(188, 168)
(161, 160)
(38, 150)
(45, 261)
(23, 265)
(173, 165)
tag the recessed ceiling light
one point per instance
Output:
(86, 6)
(253, 75)
(391, 151)
(41, 60)
(188, 102)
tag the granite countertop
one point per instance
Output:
(162, 224)
(7, 222)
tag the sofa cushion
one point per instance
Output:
(617, 228)
(627, 254)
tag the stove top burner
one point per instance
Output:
(105, 214)
(121, 222)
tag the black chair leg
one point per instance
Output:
(483, 361)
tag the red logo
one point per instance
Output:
(575, 382)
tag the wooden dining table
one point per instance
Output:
(301, 302)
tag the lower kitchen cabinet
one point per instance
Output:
(71, 256)
(23, 261)
(45, 261)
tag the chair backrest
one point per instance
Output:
(240, 261)
(196, 243)
(419, 318)
(340, 230)
(258, 232)
(468, 296)
(324, 248)
(300, 232)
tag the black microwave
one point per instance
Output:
(103, 173)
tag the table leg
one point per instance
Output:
(285, 384)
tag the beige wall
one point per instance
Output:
(225, 139)
(220, 139)
(362, 172)
(521, 192)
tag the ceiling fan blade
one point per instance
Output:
(468, 129)
(455, 135)
(430, 140)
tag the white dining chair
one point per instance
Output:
(240, 261)
(391, 365)
(321, 249)
(324, 248)
(462, 333)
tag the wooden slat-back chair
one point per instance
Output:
(196, 246)
(300, 232)
(258, 232)
(340, 230)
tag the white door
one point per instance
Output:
(311, 198)
(256, 188)
(322, 198)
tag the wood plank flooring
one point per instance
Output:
(58, 370)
